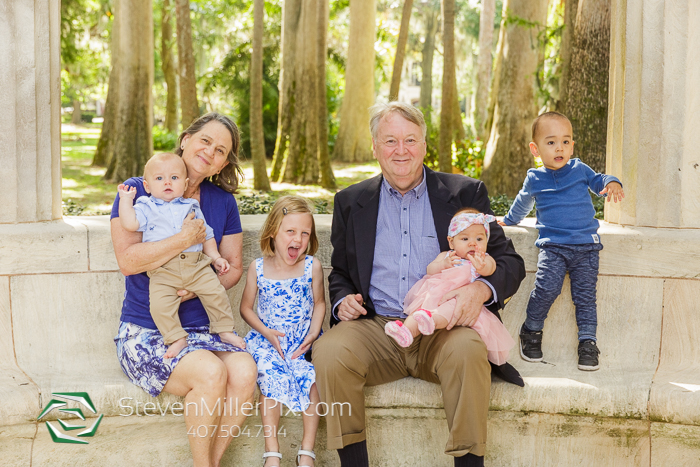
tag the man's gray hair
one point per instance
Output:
(379, 111)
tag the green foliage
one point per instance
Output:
(71, 208)
(230, 80)
(261, 203)
(163, 139)
(468, 157)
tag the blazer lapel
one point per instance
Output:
(365, 230)
(442, 204)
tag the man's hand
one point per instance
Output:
(470, 299)
(351, 308)
(614, 192)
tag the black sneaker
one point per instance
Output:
(530, 345)
(588, 355)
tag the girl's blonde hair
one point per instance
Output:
(283, 206)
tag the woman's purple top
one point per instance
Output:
(221, 213)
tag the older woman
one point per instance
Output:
(207, 370)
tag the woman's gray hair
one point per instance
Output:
(379, 111)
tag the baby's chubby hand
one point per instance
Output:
(614, 191)
(221, 265)
(451, 259)
(126, 192)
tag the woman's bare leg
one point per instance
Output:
(311, 419)
(200, 377)
(271, 412)
(240, 388)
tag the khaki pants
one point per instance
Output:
(355, 354)
(189, 271)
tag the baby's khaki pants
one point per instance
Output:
(355, 354)
(190, 271)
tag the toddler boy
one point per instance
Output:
(568, 238)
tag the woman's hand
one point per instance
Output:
(273, 336)
(186, 295)
(193, 230)
(305, 346)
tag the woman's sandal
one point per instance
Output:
(271, 454)
(305, 453)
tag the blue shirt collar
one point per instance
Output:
(418, 191)
(159, 201)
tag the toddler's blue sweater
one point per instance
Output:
(565, 213)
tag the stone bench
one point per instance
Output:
(60, 298)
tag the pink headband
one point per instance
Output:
(464, 220)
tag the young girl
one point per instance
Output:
(291, 308)
(468, 236)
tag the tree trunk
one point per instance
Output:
(400, 50)
(426, 83)
(324, 162)
(586, 98)
(447, 113)
(257, 137)
(290, 26)
(483, 75)
(567, 44)
(507, 154)
(76, 116)
(169, 66)
(126, 140)
(354, 141)
(188, 81)
(458, 132)
(303, 153)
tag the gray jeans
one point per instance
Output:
(554, 261)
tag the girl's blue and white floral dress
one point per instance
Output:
(285, 306)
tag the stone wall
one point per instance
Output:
(60, 296)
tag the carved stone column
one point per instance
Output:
(30, 106)
(654, 113)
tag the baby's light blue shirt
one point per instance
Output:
(160, 219)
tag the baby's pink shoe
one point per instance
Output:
(399, 332)
(425, 322)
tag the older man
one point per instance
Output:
(385, 232)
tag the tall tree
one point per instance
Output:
(426, 84)
(447, 112)
(585, 100)
(507, 153)
(400, 50)
(301, 141)
(188, 81)
(484, 64)
(290, 27)
(324, 162)
(567, 44)
(354, 141)
(257, 137)
(125, 142)
(169, 66)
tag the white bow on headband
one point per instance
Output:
(464, 220)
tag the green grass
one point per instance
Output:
(85, 192)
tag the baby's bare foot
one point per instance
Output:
(233, 339)
(175, 348)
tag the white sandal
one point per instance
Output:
(305, 453)
(271, 454)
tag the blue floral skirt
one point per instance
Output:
(140, 351)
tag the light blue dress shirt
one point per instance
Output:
(160, 219)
